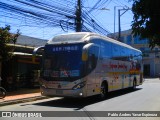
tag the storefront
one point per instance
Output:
(22, 71)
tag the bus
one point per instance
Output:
(83, 64)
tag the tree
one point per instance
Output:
(5, 38)
(146, 20)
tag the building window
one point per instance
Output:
(122, 39)
(142, 49)
(129, 40)
(145, 51)
(137, 40)
(156, 50)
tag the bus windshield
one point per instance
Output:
(62, 63)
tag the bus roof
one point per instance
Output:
(84, 37)
(69, 38)
(108, 39)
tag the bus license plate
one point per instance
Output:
(59, 92)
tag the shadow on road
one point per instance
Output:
(79, 103)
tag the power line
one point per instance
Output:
(55, 13)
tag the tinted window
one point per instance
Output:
(116, 50)
(63, 62)
(106, 50)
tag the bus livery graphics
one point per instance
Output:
(83, 64)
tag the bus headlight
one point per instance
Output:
(79, 86)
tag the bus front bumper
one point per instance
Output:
(61, 92)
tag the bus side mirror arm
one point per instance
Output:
(36, 49)
(35, 52)
(85, 51)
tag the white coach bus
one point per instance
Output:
(84, 64)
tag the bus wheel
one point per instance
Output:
(104, 91)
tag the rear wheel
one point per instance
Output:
(104, 91)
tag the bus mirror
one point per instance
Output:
(85, 51)
(84, 55)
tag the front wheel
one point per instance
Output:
(104, 91)
(2, 93)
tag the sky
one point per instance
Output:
(103, 14)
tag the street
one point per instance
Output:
(145, 98)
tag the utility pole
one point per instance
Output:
(115, 19)
(119, 22)
(119, 26)
(78, 19)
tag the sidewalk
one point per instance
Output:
(21, 96)
(152, 80)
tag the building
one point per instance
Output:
(22, 69)
(30, 41)
(151, 57)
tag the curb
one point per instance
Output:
(23, 100)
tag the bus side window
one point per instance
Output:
(116, 50)
(105, 50)
(131, 57)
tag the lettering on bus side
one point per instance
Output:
(118, 66)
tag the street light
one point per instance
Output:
(104, 9)
(97, 8)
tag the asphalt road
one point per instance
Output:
(145, 98)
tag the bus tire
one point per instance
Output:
(104, 90)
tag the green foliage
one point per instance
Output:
(5, 38)
(146, 20)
